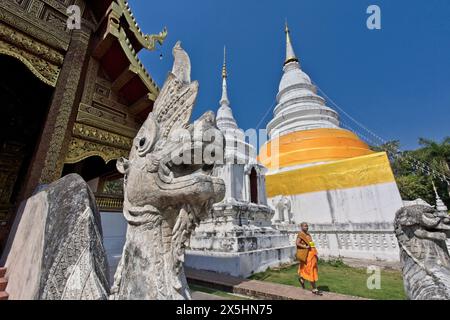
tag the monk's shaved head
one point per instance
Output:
(304, 226)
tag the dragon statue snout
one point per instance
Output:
(168, 189)
(422, 232)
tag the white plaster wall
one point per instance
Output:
(370, 204)
(239, 264)
(238, 181)
(350, 223)
(233, 176)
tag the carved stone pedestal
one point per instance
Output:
(238, 240)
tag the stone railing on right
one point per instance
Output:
(352, 241)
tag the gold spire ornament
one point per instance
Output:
(290, 54)
(224, 67)
(224, 100)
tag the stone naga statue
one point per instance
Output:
(421, 233)
(165, 198)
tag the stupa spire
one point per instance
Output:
(296, 111)
(225, 119)
(290, 54)
(224, 67)
(224, 100)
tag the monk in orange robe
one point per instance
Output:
(307, 255)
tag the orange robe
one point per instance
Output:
(308, 270)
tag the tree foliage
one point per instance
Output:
(414, 182)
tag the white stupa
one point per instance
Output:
(238, 238)
(237, 150)
(299, 107)
(326, 175)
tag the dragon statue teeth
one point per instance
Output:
(164, 198)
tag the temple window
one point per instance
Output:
(253, 186)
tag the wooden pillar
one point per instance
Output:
(48, 160)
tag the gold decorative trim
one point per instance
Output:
(116, 30)
(147, 41)
(18, 18)
(80, 149)
(143, 74)
(101, 136)
(50, 73)
(42, 60)
(90, 115)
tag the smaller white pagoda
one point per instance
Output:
(238, 238)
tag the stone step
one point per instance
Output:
(3, 283)
(3, 295)
(2, 272)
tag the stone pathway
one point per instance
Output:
(258, 289)
(197, 295)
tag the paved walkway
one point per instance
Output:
(197, 295)
(258, 289)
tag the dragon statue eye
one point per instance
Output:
(146, 136)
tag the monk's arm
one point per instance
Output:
(300, 244)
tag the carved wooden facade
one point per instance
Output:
(101, 91)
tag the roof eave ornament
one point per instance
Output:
(151, 39)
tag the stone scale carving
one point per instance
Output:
(164, 201)
(421, 233)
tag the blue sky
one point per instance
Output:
(395, 81)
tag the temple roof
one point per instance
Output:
(120, 40)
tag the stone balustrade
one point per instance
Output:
(367, 244)
(109, 202)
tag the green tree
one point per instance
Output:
(414, 186)
(413, 182)
(437, 154)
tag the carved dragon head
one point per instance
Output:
(168, 189)
(421, 233)
(422, 222)
(170, 163)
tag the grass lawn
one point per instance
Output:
(216, 292)
(335, 276)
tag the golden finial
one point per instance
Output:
(224, 67)
(290, 54)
